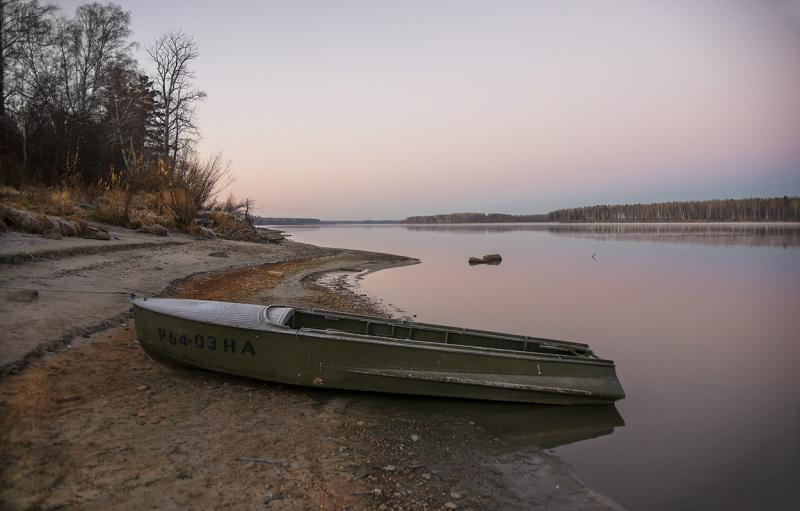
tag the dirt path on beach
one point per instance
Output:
(100, 425)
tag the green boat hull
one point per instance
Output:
(373, 354)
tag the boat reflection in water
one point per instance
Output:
(511, 426)
(549, 426)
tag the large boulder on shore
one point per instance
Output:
(25, 221)
(37, 223)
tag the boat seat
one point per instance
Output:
(280, 315)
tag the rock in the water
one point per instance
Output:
(24, 296)
(450, 505)
(487, 259)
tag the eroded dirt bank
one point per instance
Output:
(102, 426)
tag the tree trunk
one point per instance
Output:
(2, 74)
(24, 149)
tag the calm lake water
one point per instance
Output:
(703, 322)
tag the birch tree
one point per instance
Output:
(177, 99)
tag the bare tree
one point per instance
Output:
(21, 22)
(177, 98)
(86, 47)
(129, 104)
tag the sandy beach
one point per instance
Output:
(89, 421)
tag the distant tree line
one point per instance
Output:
(776, 209)
(77, 110)
(263, 220)
(473, 218)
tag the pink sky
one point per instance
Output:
(380, 109)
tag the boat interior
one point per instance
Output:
(332, 322)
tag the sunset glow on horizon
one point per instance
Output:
(382, 110)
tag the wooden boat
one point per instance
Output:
(345, 351)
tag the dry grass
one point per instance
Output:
(149, 212)
(62, 203)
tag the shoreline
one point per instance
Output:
(96, 423)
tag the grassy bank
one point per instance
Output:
(87, 211)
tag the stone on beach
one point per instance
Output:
(157, 229)
(24, 295)
(102, 235)
(202, 232)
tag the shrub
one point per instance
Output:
(110, 216)
(194, 183)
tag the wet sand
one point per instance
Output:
(88, 420)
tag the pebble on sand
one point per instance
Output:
(23, 296)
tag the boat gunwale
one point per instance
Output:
(452, 348)
(443, 328)
(269, 327)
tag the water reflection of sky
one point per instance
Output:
(704, 334)
(749, 234)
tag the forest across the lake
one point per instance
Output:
(774, 209)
